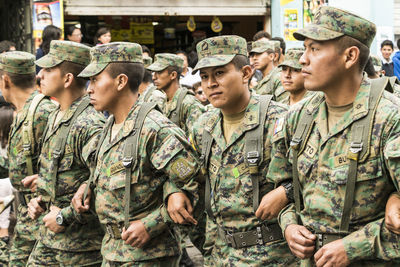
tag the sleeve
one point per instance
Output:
(287, 216)
(154, 223)
(194, 109)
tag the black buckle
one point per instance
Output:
(127, 162)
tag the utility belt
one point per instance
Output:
(326, 238)
(114, 230)
(262, 234)
(24, 198)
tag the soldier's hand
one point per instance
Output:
(300, 240)
(31, 182)
(180, 209)
(77, 200)
(136, 235)
(392, 213)
(332, 254)
(34, 208)
(50, 220)
(272, 203)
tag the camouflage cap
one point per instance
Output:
(330, 23)
(292, 58)
(164, 60)
(17, 62)
(376, 61)
(219, 50)
(262, 45)
(65, 51)
(147, 61)
(102, 55)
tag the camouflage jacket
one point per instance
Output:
(163, 153)
(231, 184)
(190, 111)
(323, 172)
(156, 96)
(73, 169)
(286, 100)
(271, 85)
(16, 156)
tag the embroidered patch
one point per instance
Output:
(341, 160)
(68, 149)
(239, 170)
(182, 169)
(117, 167)
(278, 125)
(310, 151)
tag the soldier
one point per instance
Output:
(344, 150)
(235, 141)
(139, 151)
(65, 162)
(182, 107)
(263, 53)
(291, 77)
(17, 76)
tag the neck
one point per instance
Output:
(142, 87)
(267, 69)
(296, 96)
(20, 97)
(344, 92)
(171, 90)
(123, 105)
(69, 96)
(184, 71)
(238, 105)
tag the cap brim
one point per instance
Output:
(213, 61)
(48, 61)
(317, 33)
(258, 50)
(156, 67)
(92, 70)
(291, 64)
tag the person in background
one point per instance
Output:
(199, 94)
(6, 46)
(146, 51)
(262, 35)
(187, 79)
(50, 33)
(282, 48)
(103, 36)
(396, 62)
(73, 34)
(387, 63)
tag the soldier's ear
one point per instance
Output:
(68, 79)
(246, 73)
(122, 81)
(6, 81)
(352, 56)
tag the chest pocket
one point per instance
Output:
(117, 173)
(66, 162)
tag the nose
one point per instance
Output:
(303, 59)
(211, 82)
(40, 75)
(90, 88)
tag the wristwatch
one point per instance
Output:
(60, 219)
(288, 190)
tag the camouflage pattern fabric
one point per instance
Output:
(102, 55)
(323, 171)
(25, 231)
(219, 51)
(160, 262)
(164, 60)
(82, 233)
(396, 90)
(230, 179)
(330, 23)
(147, 61)
(65, 51)
(276, 89)
(262, 46)
(4, 253)
(191, 110)
(292, 58)
(163, 153)
(3, 166)
(17, 62)
(376, 61)
(156, 96)
(286, 101)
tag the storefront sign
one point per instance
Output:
(291, 17)
(216, 25)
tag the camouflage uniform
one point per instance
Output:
(25, 230)
(80, 242)
(163, 153)
(270, 84)
(153, 95)
(323, 164)
(230, 179)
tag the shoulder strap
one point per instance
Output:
(361, 132)
(254, 148)
(59, 147)
(176, 115)
(148, 93)
(207, 141)
(131, 154)
(28, 139)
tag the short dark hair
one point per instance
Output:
(196, 85)
(134, 71)
(100, 32)
(23, 81)
(6, 119)
(345, 42)
(145, 49)
(369, 68)
(6, 45)
(261, 34)
(70, 29)
(387, 42)
(178, 70)
(74, 69)
(50, 33)
(239, 61)
(181, 52)
(147, 77)
(282, 43)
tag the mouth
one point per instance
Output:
(305, 72)
(287, 83)
(214, 94)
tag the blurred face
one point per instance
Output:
(2, 90)
(225, 86)
(76, 36)
(386, 52)
(185, 61)
(292, 79)
(162, 79)
(105, 38)
(103, 91)
(201, 96)
(51, 81)
(322, 64)
(263, 60)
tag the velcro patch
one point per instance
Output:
(182, 169)
(115, 168)
(341, 160)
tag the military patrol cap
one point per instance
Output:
(17, 62)
(65, 51)
(164, 60)
(376, 61)
(147, 61)
(292, 58)
(262, 46)
(102, 55)
(330, 23)
(219, 51)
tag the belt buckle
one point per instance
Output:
(229, 238)
(260, 239)
(320, 241)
